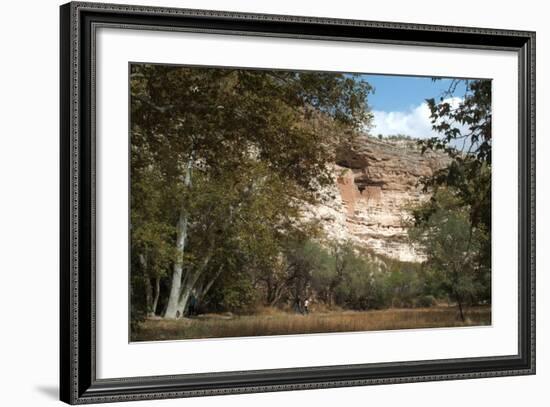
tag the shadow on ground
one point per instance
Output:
(50, 391)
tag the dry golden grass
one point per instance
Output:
(274, 322)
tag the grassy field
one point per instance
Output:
(281, 323)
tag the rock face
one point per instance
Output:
(375, 182)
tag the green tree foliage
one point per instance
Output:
(405, 284)
(465, 135)
(221, 162)
(454, 226)
(465, 129)
(224, 115)
(345, 275)
(151, 248)
(358, 288)
(453, 245)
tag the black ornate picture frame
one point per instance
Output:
(78, 381)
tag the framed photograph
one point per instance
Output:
(254, 203)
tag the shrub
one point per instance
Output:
(426, 301)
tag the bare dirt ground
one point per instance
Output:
(284, 323)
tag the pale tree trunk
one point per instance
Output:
(188, 285)
(186, 294)
(157, 295)
(177, 274)
(181, 240)
(180, 290)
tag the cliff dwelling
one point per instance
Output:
(373, 185)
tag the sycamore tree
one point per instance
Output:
(233, 152)
(152, 252)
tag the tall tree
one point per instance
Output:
(465, 134)
(221, 138)
(458, 217)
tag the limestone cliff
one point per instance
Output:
(375, 181)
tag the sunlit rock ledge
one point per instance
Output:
(374, 184)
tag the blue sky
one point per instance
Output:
(399, 106)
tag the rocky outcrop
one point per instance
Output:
(375, 182)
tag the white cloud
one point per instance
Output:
(414, 122)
